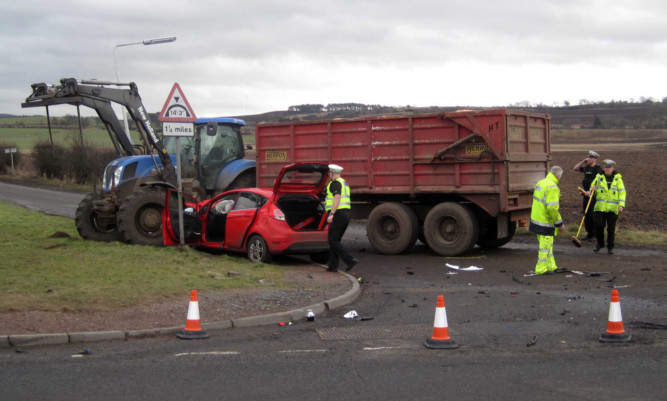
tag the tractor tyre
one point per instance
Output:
(140, 216)
(93, 226)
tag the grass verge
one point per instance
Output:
(45, 265)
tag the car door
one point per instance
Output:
(215, 218)
(241, 218)
(192, 224)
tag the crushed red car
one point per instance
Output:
(261, 222)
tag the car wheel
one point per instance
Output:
(258, 251)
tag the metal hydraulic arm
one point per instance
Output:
(98, 96)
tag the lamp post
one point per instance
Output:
(146, 42)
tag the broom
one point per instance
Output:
(576, 240)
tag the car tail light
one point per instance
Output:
(277, 213)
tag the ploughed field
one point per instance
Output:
(643, 166)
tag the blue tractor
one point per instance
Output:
(128, 207)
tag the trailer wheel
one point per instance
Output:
(258, 251)
(392, 228)
(94, 226)
(140, 217)
(488, 240)
(450, 229)
(320, 257)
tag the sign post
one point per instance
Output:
(178, 120)
(11, 152)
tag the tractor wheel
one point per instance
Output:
(94, 226)
(392, 228)
(140, 216)
(258, 251)
(451, 229)
(245, 180)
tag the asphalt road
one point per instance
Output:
(520, 337)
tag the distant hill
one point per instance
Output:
(644, 115)
(630, 115)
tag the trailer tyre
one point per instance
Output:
(140, 217)
(320, 257)
(451, 229)
(488, 239)
(93, 226)
(258, 251)
(392, 228)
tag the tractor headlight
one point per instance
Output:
(118, 172)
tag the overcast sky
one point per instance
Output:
(255, 56)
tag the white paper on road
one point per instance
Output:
(468, 269)
(351, 314)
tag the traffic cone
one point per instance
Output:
(193, 330)
(440, 338)
(615, 332)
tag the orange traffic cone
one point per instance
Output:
(615, 332)
(440, 338)
(193, 330)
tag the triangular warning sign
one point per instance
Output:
(177, 108)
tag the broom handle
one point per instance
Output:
(590, 198)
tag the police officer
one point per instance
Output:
(545, 219)
(591, 169)
(610, 201)
(337, 204)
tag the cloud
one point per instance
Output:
(255, 56)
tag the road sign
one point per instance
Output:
(176, 108)
(10, 150)
(178, 129)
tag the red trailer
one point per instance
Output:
(451, 180)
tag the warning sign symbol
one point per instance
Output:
(177, 108)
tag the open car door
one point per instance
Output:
(302, 179)
(192, 224)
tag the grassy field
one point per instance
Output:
(47, 266)
(26, 138)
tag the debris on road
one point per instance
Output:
(469, 268)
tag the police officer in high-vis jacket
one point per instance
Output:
(337, 204)
(609, 202)
(545, 219)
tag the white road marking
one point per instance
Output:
(386, 348)
(301, 351)
(209, 353)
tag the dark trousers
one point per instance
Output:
(603, 219)
(337, 228)
(589, 220)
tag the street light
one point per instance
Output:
(156, 41)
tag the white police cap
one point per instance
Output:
(592, 153)
(336, 169)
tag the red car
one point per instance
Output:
(290, 219)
